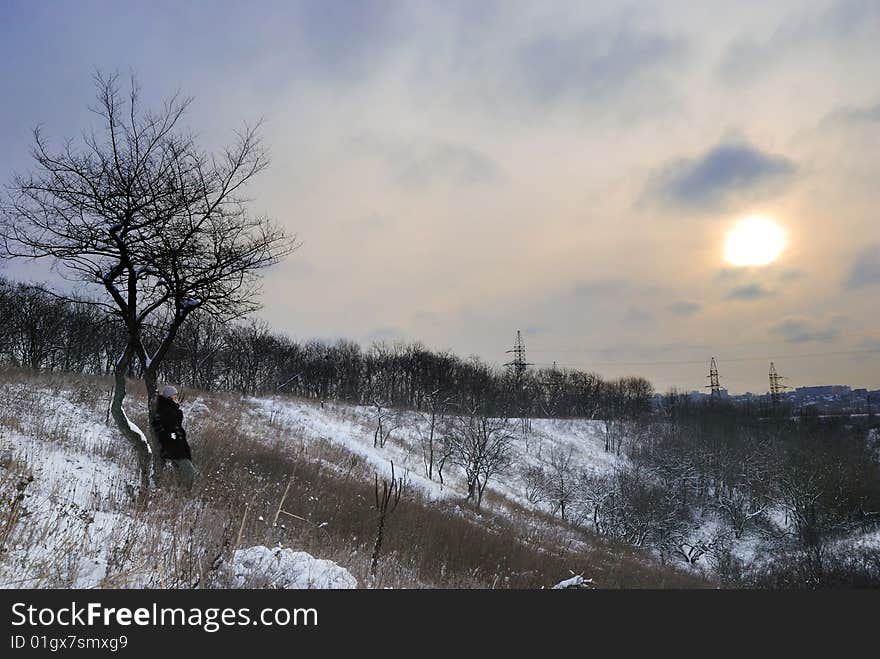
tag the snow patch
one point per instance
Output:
(577, 581)
(286, 569)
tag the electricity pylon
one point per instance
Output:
(714, 385)
(776, 386)
(518, 364)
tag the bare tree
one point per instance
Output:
(437, 405)
(387, 421)
(161, 226)
(481, 447)
(445, 448)
(561, 483)
(535, 481)
(597, 498)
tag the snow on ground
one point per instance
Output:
(286, 569)
(75, 507)
(353, 426)
(868, 541)
(68, 521)
(860, 541)
(577, 581)
(76, 484)
(80, 487)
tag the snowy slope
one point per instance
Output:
(77, 507)
(353, 427)
(79, 503)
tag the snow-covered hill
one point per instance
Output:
(72, 481)
(353, 427)
(75, 508)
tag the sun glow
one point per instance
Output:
(754, 241)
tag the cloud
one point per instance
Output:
(425, 318)
(724, 173)
(421, 164)
(748, 57)
(600, 287)
(375, 223)
(536, 330)
(865, 269)
(870, 344)
(592, 62)
(791, 274)
(297, 268)
(636, 315)
(450, 162)
(379, 334)
(685, 308)
(851, 116)
(347, 40)
(741, 276)
(801, 330)
(749, 292)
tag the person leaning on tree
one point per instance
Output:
(167, 422)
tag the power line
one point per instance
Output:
(728, 360)
(698, 346)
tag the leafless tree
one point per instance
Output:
(481, 447)
(561, 483)
(437, 404)
(535, 481)
(445, 448)
(387, 421)
(162, 227)
(739, 508)
(597, 498)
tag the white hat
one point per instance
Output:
(168, 391)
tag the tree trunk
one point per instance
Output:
(129, 431)
(152, 391)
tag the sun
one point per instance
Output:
(754, 240)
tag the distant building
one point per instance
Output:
(823, 390)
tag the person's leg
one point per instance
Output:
(186, 472)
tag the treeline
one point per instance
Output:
(39, 330)
(702, 477)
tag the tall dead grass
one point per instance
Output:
(311, 495)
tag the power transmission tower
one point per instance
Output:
(776, 386)
(517, 367)
(518, 364)
(714, 385)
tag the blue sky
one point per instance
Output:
(460, 170)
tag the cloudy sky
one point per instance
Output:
(460, 170)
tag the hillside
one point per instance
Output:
(284, 498)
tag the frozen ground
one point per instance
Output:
(353, 427)
(282, 568)
(82, 485)
(72, 523)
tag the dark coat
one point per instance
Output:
(167, 422)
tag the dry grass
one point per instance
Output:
(183, 539)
